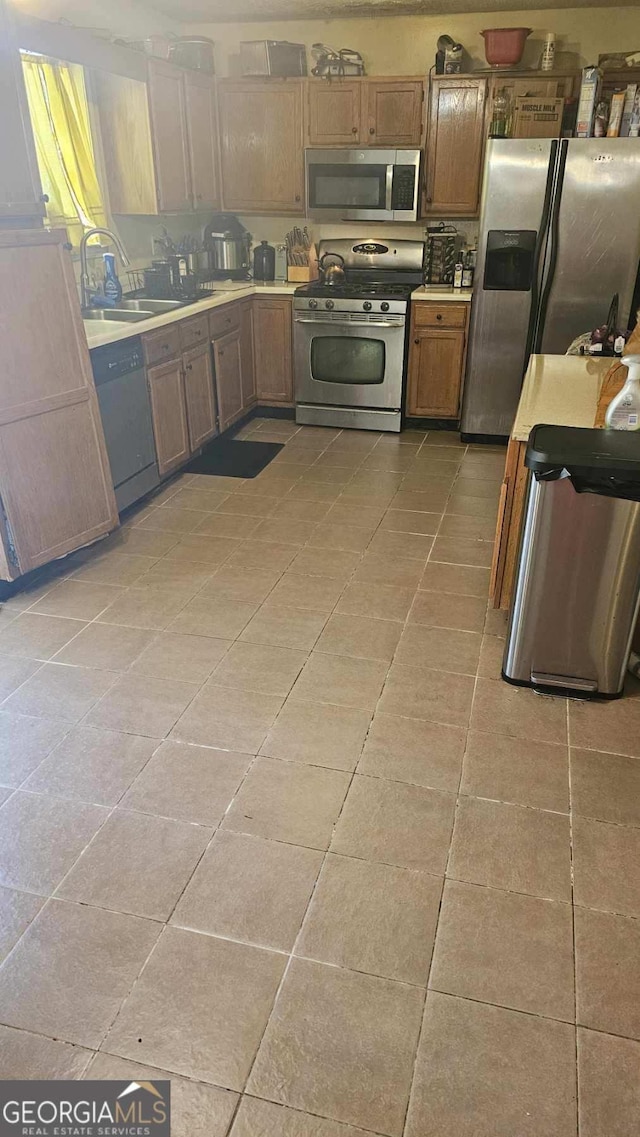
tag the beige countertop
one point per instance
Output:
(441, 292)
(100, 333)
(562, 390)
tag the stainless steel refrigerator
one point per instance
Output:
(559, 235)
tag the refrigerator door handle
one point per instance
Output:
(539, 249)
(554, 227)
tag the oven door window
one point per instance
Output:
(347, 187)
(347, 360)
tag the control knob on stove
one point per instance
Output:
(313, 303)
(384, 307)
(367, 305)
(328, 304)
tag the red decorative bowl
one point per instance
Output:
(503, 47)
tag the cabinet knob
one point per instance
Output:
(297, 197)
(372, 130)
(428, 200)
(416, 341)
(354, 130)
(189, 367)
(44, 197)
(221, 352)
(439, 316)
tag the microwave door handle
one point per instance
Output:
(389, 188)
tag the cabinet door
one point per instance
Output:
(169, 412)
(55, 482)
(227, 355)
(247, 367)
(455, 146)
(169, 136)
(335, 113)
(262, 144)
(202, 137)
(394, 115)
(436, 356)
(20, 189)
(272, 350)
(200, 399)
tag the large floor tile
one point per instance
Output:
(388, 568)
(341, 1045)
(60, 691)
(197, 1110)
(320, 594)
(340, 680)
(282, 626)
(411, 521)
(462, 580)
(608, 972)
(77, 599)
(500, 947)
(375, 918)
(613, 726)
(25, 742)
(284, 530)
(151, 608)
(188, 658)
(288, 802)
(41, 837)
(337, 564)
(410, 750)
(509, 847)
(260, 667)
(187, 577)
(389, 543)
(17, 910)
(395, 824)
(462, 551)
(444, 649)
(231, 720)
(92, 765)
(606, 866)
(381, 601)
(359, 636)
(140, 704)
(107, 646)
(502, 709)
(214, 616)
(69, 973)
(609, 1085)
(272, 555)
(204, 549)
(249, 889)
(436, 696)
(605, 786)
(257, 1118)
(13, 673)
(137, 864)
(187, 783)
(200, 1007)
(31, 1056)
(117, 568)
(516, 770)
(245, 586)
(447, 610)
(318, 734)
(37, 636)
(486, 1070)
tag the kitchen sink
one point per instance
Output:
(153, 306)
(121, 315)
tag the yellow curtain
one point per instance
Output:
(60, 119)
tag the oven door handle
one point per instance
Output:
(349, 323)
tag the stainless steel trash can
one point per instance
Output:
(577, 592)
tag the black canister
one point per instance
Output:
(264, 262)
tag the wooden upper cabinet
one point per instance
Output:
(55, 481)
(394, 113)
(169, 137)
(20, 189)
(272, 334)
(455, 145)
(262, 144)
(169, 413)
(199, 396)
(202, 131)
(335, 112)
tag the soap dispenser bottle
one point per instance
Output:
(112, 286)
(623, 412)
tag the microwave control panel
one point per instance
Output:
(403, 189)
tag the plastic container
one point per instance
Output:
(623, 412)
(264, 262)
(503, 47)
(548, 52)
(112, 286)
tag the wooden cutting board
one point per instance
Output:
(615, 378)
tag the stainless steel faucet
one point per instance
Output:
(85, 289)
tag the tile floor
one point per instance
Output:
(272, 824)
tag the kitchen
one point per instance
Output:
(266, 797)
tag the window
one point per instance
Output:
(60, 120)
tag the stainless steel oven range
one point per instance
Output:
(350, 338)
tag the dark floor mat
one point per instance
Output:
(230, 459)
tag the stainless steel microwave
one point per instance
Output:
(363, 185)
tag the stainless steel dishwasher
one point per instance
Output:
(121, 385)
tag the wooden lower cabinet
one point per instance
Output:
(56, 492)
(509, 524)
(169, 413)
(199, 395)
(227, 354)
(437, 346)
(272, 337)
(247, 363)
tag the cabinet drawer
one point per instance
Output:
(193, 332)
(447, 315)
(162, 345)
(224, 320)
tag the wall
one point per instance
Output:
(405, 45)
(127, 18)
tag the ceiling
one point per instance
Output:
(217, 11)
